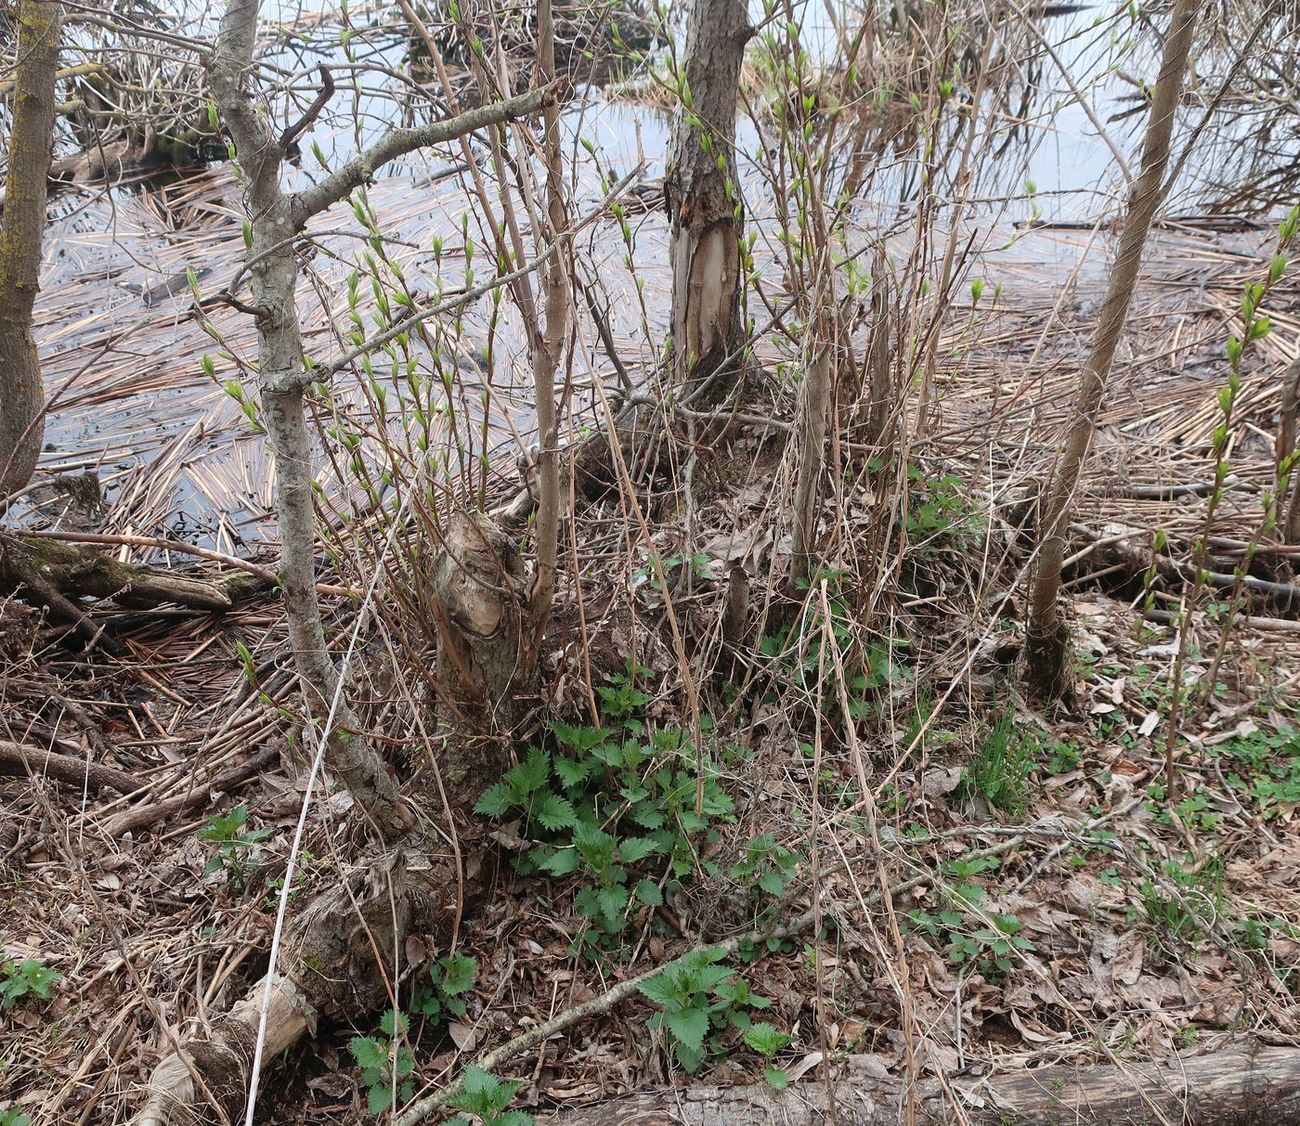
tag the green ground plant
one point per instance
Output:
(487, 1099)
(386, 1063)
(441, 995)
(700, 999)
(26, 981)
(234, 841)
(615, 806)
(986, 942)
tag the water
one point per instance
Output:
(174, 449)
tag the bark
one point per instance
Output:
(1238, 1085)
(1047, 671)
(282, 382)
(22, 393)
(45, 566)
(814, 414)
(21, 761)
(878, 415)
(703, 199)
(1286, 446)
(329, 969)
(481, 586)
(546, 354)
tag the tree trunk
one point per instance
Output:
(282, 381)
(327, 971)
(1048, 675)
(22, 393)
(814, 413)
(702, 195)
(1239, 1085)
(1286, 447)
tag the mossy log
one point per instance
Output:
(59, 576)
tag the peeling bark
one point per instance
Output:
(878, 410)
(703, 200)
(814, 415)
(481, 584)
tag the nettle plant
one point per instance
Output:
(26, 981)
(616, 807)
(441, 996)
(700, 1001)
(386, 1063)
(983, 941)
(234, 841)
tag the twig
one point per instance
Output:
(157, 812)
(313, 111)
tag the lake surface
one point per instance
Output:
(133, 404)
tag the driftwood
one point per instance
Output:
(57, 576)
(44, 566)
(1241, 1084)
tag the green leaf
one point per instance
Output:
(392, 1023)
(649, 893)
(772, 882)
(514, 1118)
(368, 1051)
(561, 862)
(613, 901)
(777, 1078)
(766, 1039)
(531, 774)
(689, 1027)
(663, 989)
(380, 1099)
(635, 849)
(569, 772)
(458, 973)
(495, 802)
(554, 813)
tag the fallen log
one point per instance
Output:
(155, 813)
(1240, 1084)
(44, 565)
(19, 761)
(327, 970)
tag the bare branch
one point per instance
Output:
(313, 111)
(398, 142)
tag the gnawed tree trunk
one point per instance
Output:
(878, 406)
(481, 585)
(1232, 1087)
(1289, 506)
(814, 415)
(327, 970)
(702, 195)
(1048, 675)
(492, 617)
(22, 393)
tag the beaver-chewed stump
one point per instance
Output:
(327, 971)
